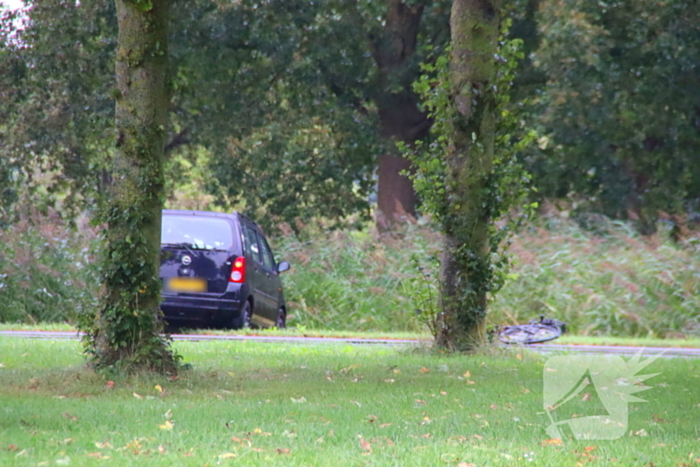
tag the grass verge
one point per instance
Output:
(259, 404)
(330, 333)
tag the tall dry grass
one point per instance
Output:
(46, 270)
(609, 281)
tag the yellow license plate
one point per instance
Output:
(187, 284)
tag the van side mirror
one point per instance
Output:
(283, 266)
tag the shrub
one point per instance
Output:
(46, 271)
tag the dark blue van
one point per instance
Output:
(218, 269)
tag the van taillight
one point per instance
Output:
(238, 270)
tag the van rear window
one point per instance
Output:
(205, 233)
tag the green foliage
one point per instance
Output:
(467, 189)
(619, 109)
(268, 89)
(47, 271)
(609, 283)
(353, 280)
(56, 72)
(294, 172)
(424, 291)
(508, 181)
(612, 282)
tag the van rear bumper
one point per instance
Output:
(210, 308)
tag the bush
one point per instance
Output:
(46, 271)
(609, 281)
(354, 280)
(602, 281)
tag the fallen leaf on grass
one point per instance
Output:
(384, 425)
(12, 447)
(105, 445)
(465, 464)
(641, 432)
(135, 446)
(284, 451)
(243, 442)
(69, 416)
(110, 384)
(349, 369)
(161, 449)
(301, 400)
(365, 445)
(390, 380)
(168, 425)
(160, 389)
(424, 370)
(227, 455)
(138, 396)
(97, 455)
(552, 442)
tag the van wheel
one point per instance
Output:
(281, 321)
(243, 321)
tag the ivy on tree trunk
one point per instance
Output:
(127, 331)
(466, 266)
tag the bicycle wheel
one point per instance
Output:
(529, 334)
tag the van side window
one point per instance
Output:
(268, 260)
(251, 243)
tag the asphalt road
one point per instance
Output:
(544, 348)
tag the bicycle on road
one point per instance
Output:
(544, 330)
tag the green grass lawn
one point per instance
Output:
(245, 403)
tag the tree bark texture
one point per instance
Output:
(128, 328)
(466, 269)
(400, 116)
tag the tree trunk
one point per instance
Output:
(400, 116)
(128, 328)
(466, 267)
